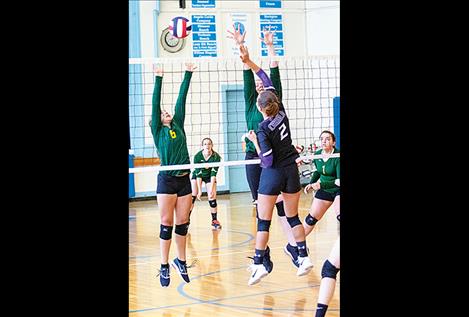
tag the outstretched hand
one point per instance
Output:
(268, 36)
(190, 67)
(236, 35)
(243, 53)
(252, 136)
(157, 70)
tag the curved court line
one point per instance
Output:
(198, 301)
(250, 237)
(215, 301)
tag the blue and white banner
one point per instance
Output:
(270, 3)
(203, 3)
(274, 22)
(204, 36)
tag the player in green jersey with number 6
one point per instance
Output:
(174, 187)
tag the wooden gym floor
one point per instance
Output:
(219, 278)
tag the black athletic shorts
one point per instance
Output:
(283, 179)
(167, 184)
(323, 195)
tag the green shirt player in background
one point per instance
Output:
(325, 181)
(252, 88)
(208, 176)
(174, 187)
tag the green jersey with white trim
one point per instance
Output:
(206, 172)
(327, 172)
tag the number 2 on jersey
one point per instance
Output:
(283, 135)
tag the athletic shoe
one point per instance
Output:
(258, 272)
(181, 269)
(164, 276)
(292, 252)
(254, 202)
(216, 224)
(268, 264)
(305, 266)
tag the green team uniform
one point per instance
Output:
(253, 116)
(327, 172)
(206, 172)
(171, 142)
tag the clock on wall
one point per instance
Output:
(170, 43)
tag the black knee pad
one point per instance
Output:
(280, 209)
(329, 270)
(212, 203)
(166, 232)
(310, 220)
(194, 198)
(263, 225)
(294, 221)
(182, 229)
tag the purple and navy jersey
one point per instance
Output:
(274, 136)
(274, 139)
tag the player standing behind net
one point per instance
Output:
(208, 176)
(325, 181)
(174, 187)
(252, 88)
(279, 174)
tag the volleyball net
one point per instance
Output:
(215, 106)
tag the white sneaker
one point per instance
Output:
(258, 272)
(305, 266)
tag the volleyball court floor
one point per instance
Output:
(219, 277)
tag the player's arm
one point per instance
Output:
(214, 169)
(263, 147)
(155, 122)
(268, 40)
(250, 94)
(180, 110)
(199, 187)
(244, 55)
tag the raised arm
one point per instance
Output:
(244, 55)
(180, 109)
(268, 40)
(250, 93)
(155, 123)
(274, 71)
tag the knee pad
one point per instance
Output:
(329, 270)
(263, 225)
(212, 203)
(310, 220)
(194, 198)
(182, 229)
(280, 209)
(166, 232)
(294, 221)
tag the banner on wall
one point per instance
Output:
(274, 21)
(242, 20)
(203, 3)
(270, 3)
(204, 36)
